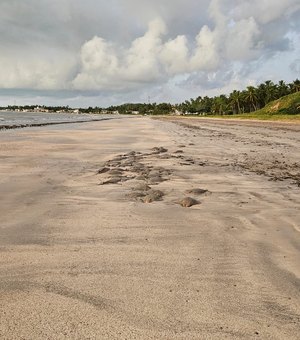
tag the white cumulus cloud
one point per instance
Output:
(141, 45)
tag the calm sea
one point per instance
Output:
(23, 119)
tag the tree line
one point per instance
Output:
(139, 108)
(238, 102)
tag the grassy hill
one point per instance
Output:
(289, 105)
(285, 108)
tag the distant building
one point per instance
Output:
(40, 109)
(178, 113)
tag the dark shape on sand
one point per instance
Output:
(156, 193)
(140, 178)
(154, 173)
(159, 149)
(128, 163)
(113, 163)
(115, 172)
(126, 178)
(153, 195)
(137, 167)
(102, 170)
(136, 195)
(142, 187)
(165, 171)
(197, 191)
(148, 199)
(188, 202)
(155, 180)
(164, 156)
(113, 180)
(118, 158)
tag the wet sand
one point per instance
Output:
(150, 229)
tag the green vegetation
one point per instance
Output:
(288, 105)
(253, 102)
(244, 103)
(285, 108)
(266, 101)
(153, 109)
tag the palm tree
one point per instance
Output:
(270, 90)
(219, 105)
(295, 86)
(251, 97)
(207, 104)
(235, 99)
(261, 94)
(282, 89)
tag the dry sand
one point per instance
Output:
(83, 257)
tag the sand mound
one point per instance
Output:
(188, 202)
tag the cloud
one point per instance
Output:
(295, 67)
(265, 11)
(153, 57)
(34, 73)
(132, 46)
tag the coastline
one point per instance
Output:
(21, 126)
(27, 124)
(80, 259)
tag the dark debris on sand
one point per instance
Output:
(188, 202)
(131, 166)
(197, 191)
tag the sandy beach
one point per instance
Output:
(95, 242)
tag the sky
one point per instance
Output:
(98, 53)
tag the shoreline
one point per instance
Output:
(231, 121)
(28, 125)
(90, 248)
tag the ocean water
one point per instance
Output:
(11, 119)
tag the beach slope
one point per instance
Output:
(134, 228)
